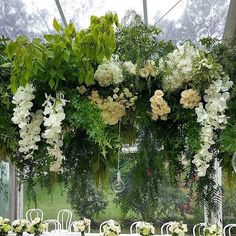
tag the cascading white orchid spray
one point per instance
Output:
(212, 117)
(53, 116)
(28, 123)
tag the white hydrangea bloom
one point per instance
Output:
(109, 73)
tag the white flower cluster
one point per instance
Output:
(19, 226)
(111, 228)
(109, 73)
(178, 66)
(5, 225)
(81, 225)
(149, 69)
(130, 67)
(30, 135)
(190, 98)
(53, 117)
(114, 107)
(160, 108)
(23, 101)
(212, 118)
(29, 123)
(213, 230)
(178, 228)
(145, 228)
(36, 226)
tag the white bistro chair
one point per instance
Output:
(198, 229)
(64, 216)
(134, 225)
(228, 228)
(56, 225)
(101, 225)
(33, 213)
(165, 228)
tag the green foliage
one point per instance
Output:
(67, 58)
(87, 116)
(136, 41)
(208, 193)
(205, 75)
(8, 134)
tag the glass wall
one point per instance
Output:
(189, 19)
(4, 189)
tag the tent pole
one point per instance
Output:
(145, 12)
(61, 12)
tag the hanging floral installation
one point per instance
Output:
(70, 91)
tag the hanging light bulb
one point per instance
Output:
(233, 162)
(118, 185)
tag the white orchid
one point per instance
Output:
(178, 66)
(211, 118)
(28, 123)
(53, 117)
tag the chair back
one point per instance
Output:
(134, 225)
(64, 216)
(33, 213)
(101, 225)
(198, 229)
(56, 225)
(228, 228)
(165, 228)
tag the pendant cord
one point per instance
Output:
(118, 164)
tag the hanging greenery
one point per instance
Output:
(70, 90)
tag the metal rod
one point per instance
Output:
(168, 11)
(61, 12)
(145, 12)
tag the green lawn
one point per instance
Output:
(51, 204)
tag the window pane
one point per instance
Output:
(29, 17)
(79, 11)
(189, 19)
(4, 189)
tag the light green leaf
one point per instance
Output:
(52, 83)
(6, 65)
(56, 25)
